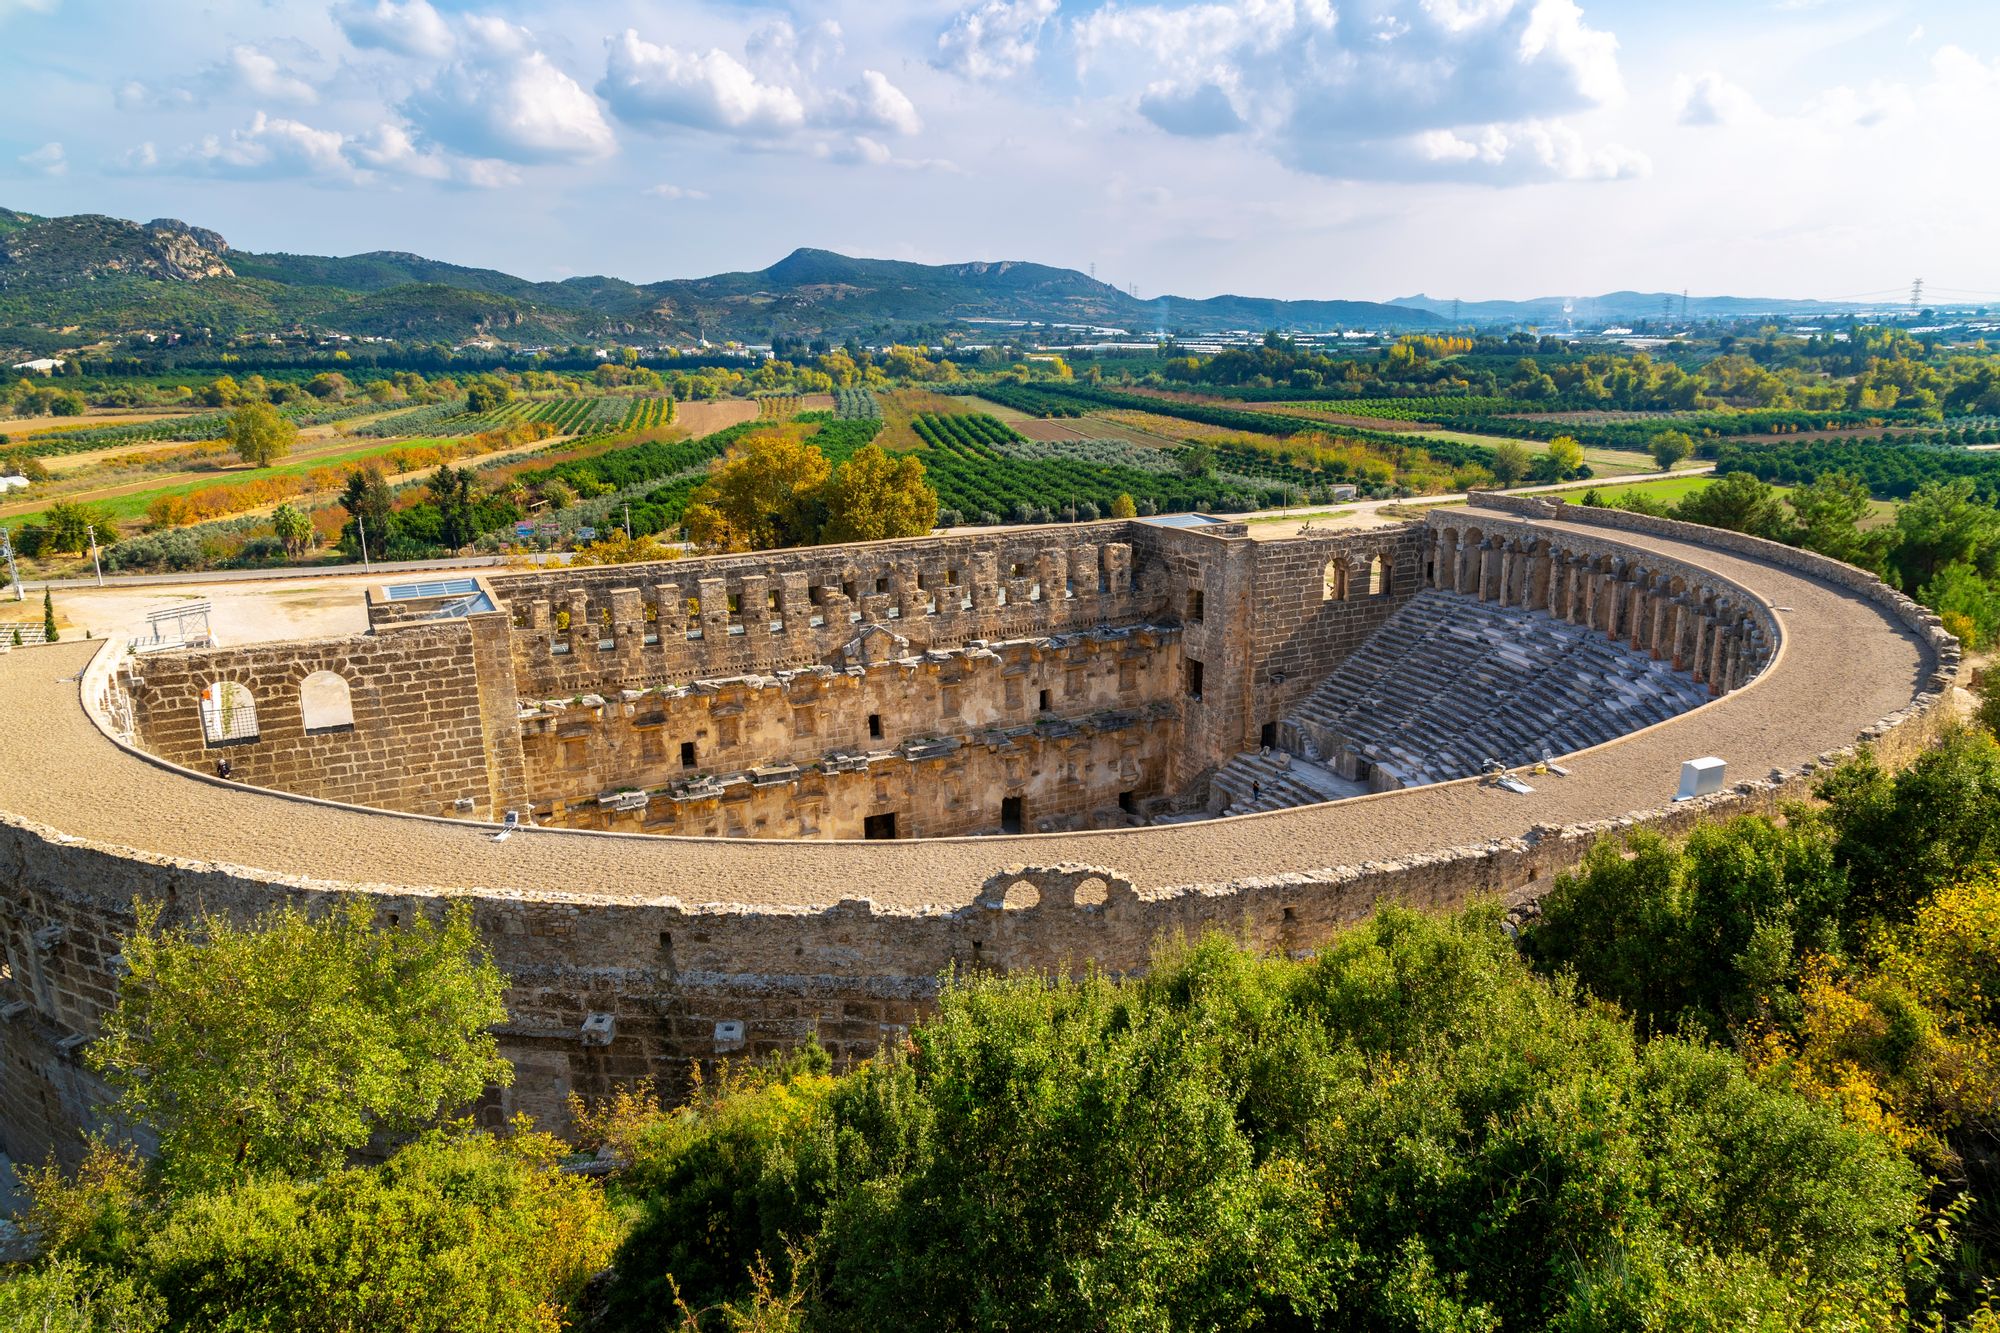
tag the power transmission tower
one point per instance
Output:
(1454, 310)
(1916, 295)
(1684, 305)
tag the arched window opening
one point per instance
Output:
(1333, 587)
(1378, 576)
(326, 703)
(228, 713)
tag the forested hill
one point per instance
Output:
(107, 276)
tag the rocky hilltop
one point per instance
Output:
(55, 252)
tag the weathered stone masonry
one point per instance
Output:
(609, 986)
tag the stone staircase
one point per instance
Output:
(1445, 685)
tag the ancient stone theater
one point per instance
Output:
(719, 806)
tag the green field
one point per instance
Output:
(132, 505)
(1880, 512)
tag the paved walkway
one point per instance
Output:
(1844, 666)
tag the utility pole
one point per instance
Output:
(91, 528)
(7, 548)
(628, 522)
(361, 524)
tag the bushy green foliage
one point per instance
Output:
(1409, 1131)
(285, 1045)
(457, 1231)
(66, 1296)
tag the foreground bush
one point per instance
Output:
(1410, 1131)
(457, 1232)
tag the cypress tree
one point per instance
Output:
(49, 617)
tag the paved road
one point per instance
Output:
(1844, 666)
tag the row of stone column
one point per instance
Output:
(1709, 634)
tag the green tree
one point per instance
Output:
(1827, 513)
(284, 1045)
(49, 633)
(1124, 506)
(260, 435)
(1670, 448)
(454, 494)
(1943, 523)
(1510, 463)
(875, 495)
(455, 1232)
(1901, 838)
(69, 525)
(294, 528)
(367, 495)
(487, 395)
(1197, 459)
(1566, 454)
(1737, 501)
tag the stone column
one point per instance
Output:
(1509, 560)
(1466, 568)
(1540, 586)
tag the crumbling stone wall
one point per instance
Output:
(585, 630)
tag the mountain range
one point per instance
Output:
(95, 276)
(70, 281)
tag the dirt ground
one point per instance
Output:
(247, 612)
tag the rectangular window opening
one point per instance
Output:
(687, 754)
(879, 828)
(1010, 814)
(1193, 679)
(1128, 801)
(1044, 704)
(875, 726)
(1267, 736)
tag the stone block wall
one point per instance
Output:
(1067, 726)
(588, 630)
(426, 728)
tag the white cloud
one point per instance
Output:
(676, 192)
(276, 147)
(133, 95)
(873, 103)
(257, 73)
(504, 98)
(1710, 99)
(994, 40)
(49, 160)
(655, 85)
(410, 28)
(271, 147)
(782, 53)
(1412, 89)
(9, 8)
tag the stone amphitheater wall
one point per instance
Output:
(1077, 731)
(429, 728)
(609, 991)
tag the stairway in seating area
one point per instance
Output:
(1447, 684)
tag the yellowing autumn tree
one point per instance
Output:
(875, 495)
(766, 493)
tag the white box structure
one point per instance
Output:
(1700, 777)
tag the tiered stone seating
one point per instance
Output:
(1446, 685)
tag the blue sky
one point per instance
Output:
(1304, 148)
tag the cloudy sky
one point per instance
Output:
(1324, 148)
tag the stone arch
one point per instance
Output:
(1092, 891)
(228, 713)
(1022, 895)
(326, 703)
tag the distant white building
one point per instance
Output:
(13, 484)
(44, 365)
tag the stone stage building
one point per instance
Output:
(770, 798)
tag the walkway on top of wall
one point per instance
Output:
(1845, 665)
